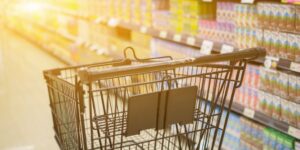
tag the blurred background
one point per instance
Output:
(37, 35)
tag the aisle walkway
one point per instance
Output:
(25, 119)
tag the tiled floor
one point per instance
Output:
(25, 119)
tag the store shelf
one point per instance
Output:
(266, 120)
(67, 36)
(53, 31)
(184, 39)
(46, 48)
(189, 40)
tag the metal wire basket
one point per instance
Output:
(154, 103)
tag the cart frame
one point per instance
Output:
(90, 103)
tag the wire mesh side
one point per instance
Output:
(65, 112)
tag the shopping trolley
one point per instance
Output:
(153, 103)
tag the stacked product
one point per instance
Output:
(221, 30)
(282, 104)
(225, 12)
(216, 31)
(282, 45)
(246, 22)
(125, 10)
(271, 92)
(279, 108)
(281, 84)
(161, 19)
(232, 136)
(185, 15)
(243, 134)
(146, 8)
(247, 95)
(277, 16)
(255, 136)
(281, 24)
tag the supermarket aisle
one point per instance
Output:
(25, 119)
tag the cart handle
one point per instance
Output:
(87, 76)
(244, 54)
(142, 59)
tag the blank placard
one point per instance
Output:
(142, 109)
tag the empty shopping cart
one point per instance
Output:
(153, 103)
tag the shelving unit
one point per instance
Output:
(50, 50)
(189, 40)
(193, 41)
(184, 39)
(266, 120)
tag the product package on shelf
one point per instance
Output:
(246, 22)
(264, 137)
(280, 84)
(246, 15)
(271, 92)
(277, 16)
(225, 12)
(282, 45)
(232, 135)
(244, 134)
(161, 19)
(217, 31)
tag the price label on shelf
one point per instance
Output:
(271, 62)
(177, 37)
(93, 47)
(143, 29)
(99, 20)
(206, 47)
(248, 1)
(294, 132)
(191, 41)
(207, 0)
(163, 34)
(295, 67)
(113, 22)
(268, 63)
(249, 113)
(226, 49)
(100, 51)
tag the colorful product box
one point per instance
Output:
(278, 16)
(267, 41)
(272, 15)
(292, 86)
(261, 14)
(274, 36)
(266, 14)
(283, 84)
(297, 98)
(276, 100)
(292, 46)
(290, 14)
(262, 101)
(296, 47)
(298, 18)
(259, 37)
(282, 45)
